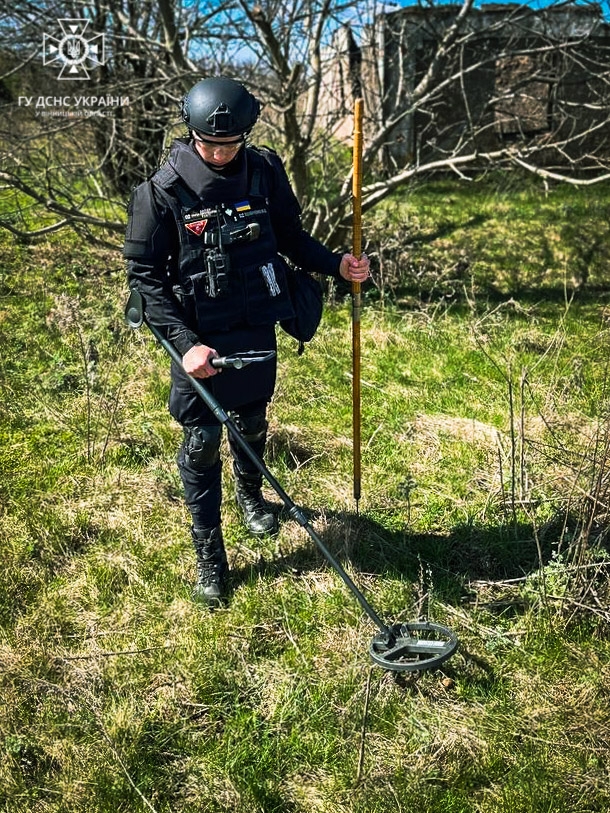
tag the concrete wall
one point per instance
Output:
(517, 80)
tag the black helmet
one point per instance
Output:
(220, 107)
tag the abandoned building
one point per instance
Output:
(508, 75)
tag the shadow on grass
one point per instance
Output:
(444, 562)
(451, 560)
(408, 295)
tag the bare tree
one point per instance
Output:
(447, 89)
(89, 94)
(500, 87)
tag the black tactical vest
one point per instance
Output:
(229, 271)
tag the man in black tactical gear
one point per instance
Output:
(206, 240)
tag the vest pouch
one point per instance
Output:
(307, 302)
(211, 292)
(268, 298)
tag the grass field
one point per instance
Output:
(484, 506)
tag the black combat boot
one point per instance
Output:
(259, 519)
(212, 568)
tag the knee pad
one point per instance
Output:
(253, 427)
(201, 446)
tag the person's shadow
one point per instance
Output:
(449, 560)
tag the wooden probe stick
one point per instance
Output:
(356, 298)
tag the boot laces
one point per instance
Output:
(210, 572)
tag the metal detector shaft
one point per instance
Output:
(295, 512)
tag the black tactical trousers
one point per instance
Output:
(200, 464)
(244, 394)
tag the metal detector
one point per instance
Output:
(407, 647)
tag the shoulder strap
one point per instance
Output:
(258, 161)
(168, 179)
(165, 176)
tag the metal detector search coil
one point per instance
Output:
(413, 646)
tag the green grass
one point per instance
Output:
(501, 234)
(484, 494)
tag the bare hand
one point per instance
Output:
(354, 270)
(196, 361)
